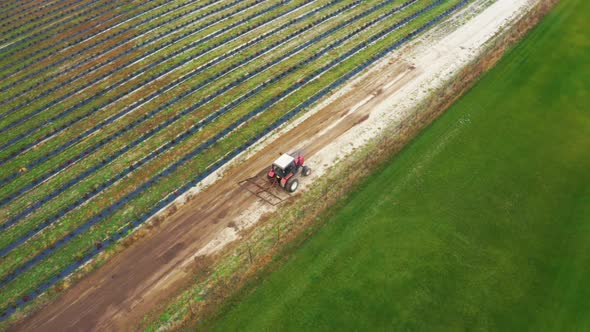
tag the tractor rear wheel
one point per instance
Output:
(306, 171)
(292, 185)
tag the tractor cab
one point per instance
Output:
(285, 171)
(284, 165)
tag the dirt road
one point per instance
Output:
(118, 294)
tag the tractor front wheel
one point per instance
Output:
(306, 171)
(292, 185)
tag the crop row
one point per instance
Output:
(219, 73)
(189, 91)
(198, 70)
(120, 114)
(158, 159)
(151, 21)
(185, 134)
(85, 102)
(357, 67)
(110, 120)
(163, 106)
(102, 51)
(256, 87)
(151, 51)
(65, 16)
(137, 141)
(32, 18)
(152, 31)
(281, 92)
(58, 46)
(170, 120)
(102, 76)
(169, 69)
(135, 74)
(19, 13)
(213, 116)
(19, 4)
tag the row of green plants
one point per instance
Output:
(160, 36)
(127, 16)
(50, 21)
(157, 32)
(154, 142)
(124, 186)
(40, 58)
(80, 126)
(97, 98)
(33, 173)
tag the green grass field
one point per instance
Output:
(481, 223)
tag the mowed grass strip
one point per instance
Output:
(169, 183)
(481, 223)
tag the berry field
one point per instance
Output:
(110, 110)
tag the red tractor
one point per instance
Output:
(286, 170)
